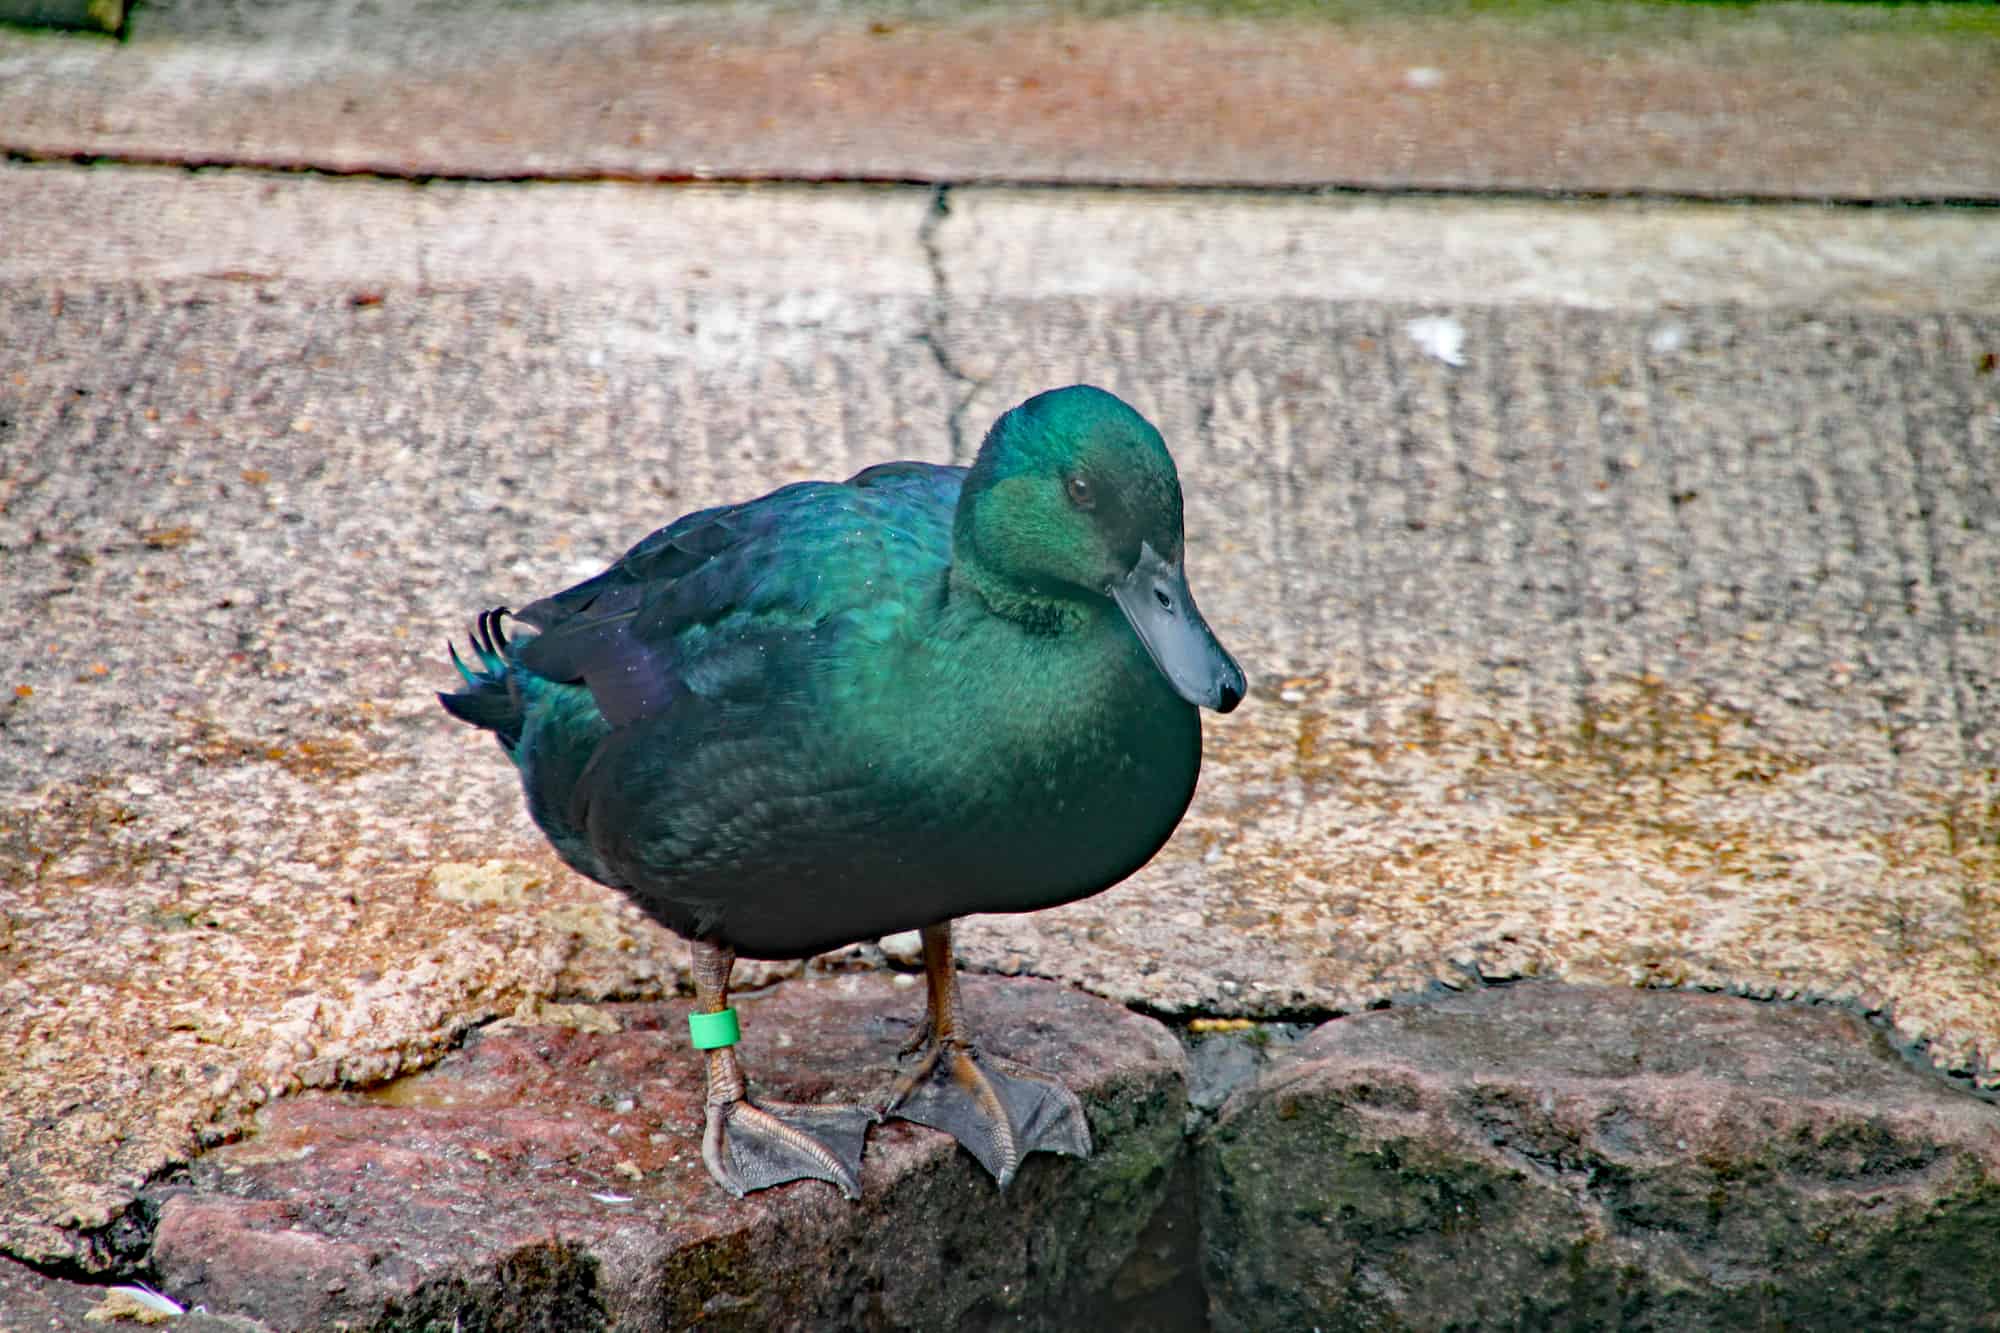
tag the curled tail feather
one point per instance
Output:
(550, 729)
(491, 697)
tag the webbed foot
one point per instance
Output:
(755, 1145)
(751, 1146)
(1001, 1111)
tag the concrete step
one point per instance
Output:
(1776, 100)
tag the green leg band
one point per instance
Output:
(710, 1031)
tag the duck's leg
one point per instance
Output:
(999, 1110)
(751, 1146)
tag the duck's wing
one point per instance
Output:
(708, 604)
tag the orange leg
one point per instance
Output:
(999, 1110)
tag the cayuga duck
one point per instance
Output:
(849, 709)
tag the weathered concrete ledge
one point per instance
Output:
(990, 247)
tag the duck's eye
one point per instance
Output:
(1080, 493)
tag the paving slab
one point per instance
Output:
(1603, 639)
(1798, 100)
(1553, 1156)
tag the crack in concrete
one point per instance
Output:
(25, 155)
(936, 333)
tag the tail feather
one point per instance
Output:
(550, 729)
(491, 697)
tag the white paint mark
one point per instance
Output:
(1439, 335)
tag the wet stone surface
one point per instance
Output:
(550, 1176)
(1552, 1156)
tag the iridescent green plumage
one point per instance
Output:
(847, 709)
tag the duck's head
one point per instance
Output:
(1074, 497)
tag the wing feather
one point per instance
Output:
(728, 602)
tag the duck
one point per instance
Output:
(845, 710)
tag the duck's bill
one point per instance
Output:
(1155, 598)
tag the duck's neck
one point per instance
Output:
(979, 586)
(1033, 610)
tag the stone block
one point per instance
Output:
(1547, 1156)
(550, 1177)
